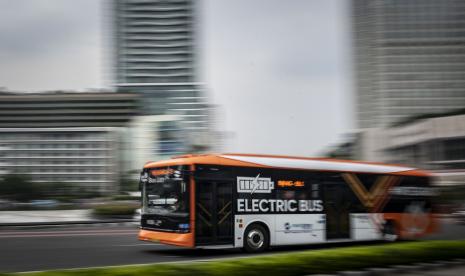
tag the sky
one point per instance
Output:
(277, 72)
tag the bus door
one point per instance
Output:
(214, 217)
(337, 207)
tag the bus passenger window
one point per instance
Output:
(292, 194)
(315, 191)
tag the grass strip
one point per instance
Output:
(298, 263)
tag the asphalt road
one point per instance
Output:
(90, 246)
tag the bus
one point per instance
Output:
(255, 202)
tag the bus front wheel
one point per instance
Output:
(256, 239)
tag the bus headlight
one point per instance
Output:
(183, 226)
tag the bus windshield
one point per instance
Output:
(168, 197)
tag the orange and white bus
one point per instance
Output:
(258, 201)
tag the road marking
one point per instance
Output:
(64, 235)
(68, 232)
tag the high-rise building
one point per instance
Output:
(409, 59)
(153, 137)
(154, 55)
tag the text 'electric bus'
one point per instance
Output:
(257, 201)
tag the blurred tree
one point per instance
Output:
(58, 190)
(20, 188)
(17, 187)
(87, 193)
(129, 182)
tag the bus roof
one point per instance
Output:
(288, 162)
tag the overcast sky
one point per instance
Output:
(279, 71)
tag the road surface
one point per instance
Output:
(90, 246)
(452, 271)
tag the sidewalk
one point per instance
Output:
(52, 217)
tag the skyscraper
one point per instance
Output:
(409, 58)
(154, 56)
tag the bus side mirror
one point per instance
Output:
(143, 179)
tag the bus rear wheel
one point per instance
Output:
(389, 232)
(256, 239)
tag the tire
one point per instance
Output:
(256, 239)
(389, 232)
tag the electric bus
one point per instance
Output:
(255, 202)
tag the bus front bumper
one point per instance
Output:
(179, 239)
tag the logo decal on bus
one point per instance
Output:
(377, 196)
(257, 184)
(298, 228)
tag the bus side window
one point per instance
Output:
(298, 193)
(341, 193)
(315, 190)
(298, 185)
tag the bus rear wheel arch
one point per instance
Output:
(390, 231)
(256, 238)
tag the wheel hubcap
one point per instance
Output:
(390, 237)
(255, 239)
(389, 233)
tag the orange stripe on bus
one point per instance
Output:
(216, 159)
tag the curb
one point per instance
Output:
(416, 267)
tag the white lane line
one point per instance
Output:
(65, 235)
(67, 232)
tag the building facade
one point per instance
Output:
(154, 55)
(63, 137)
(66, 109)
(85, 157)
(409, 59)
(435, 144)
(153, 138)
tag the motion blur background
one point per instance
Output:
(91, 90)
